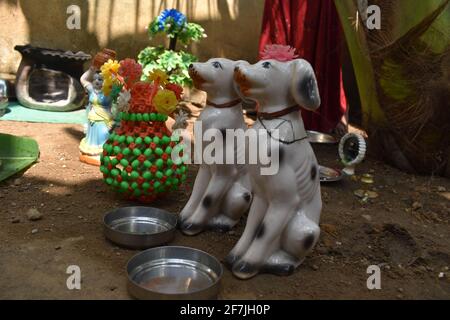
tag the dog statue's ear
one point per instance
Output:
(236, 87)
(304, 87)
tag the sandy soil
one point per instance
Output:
(405, 231)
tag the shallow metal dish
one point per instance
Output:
(318, 137)
(140, 227)
(174, 273)
(330, 175)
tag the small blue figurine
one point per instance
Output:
(99, 116)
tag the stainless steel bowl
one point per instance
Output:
(318, 137)
(140, 227)
(174, 273)
(330, 175)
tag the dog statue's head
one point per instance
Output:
(275, 83)
(215, 77)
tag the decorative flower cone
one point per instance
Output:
(137, 158)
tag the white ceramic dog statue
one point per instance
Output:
(283, 222)
(221, 193)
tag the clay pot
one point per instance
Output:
(102, 57)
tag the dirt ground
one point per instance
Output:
(405, 231)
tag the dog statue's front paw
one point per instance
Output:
(186, 213)
(180, 222)
(280, 263)
(279, 269)
(190, 229)
(230, 260)
(222, 228)
(221, 223)
(244, 270)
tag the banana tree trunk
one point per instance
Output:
(403, 77)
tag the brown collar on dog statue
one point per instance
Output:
(230, 104)
(278, 114)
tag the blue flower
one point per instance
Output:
(160, 26)
(178, 18)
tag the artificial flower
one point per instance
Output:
(109, 68)
(123, 100)
(115, 91)
(141, 97)
(109, 72)
(131, 71)
(107, 86)
(165, 102)
(278, 52)
(158, 75)
(181, 120)
(171, 14)
(178, 90)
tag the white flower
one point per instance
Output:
(180, 120)
(123, 101)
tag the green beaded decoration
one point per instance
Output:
(140, 167)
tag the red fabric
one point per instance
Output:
(313, 28)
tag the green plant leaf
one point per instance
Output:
(153, 29)
(187, 59)
(170, 60)
(174, 63)
(172, 29)
(147, 70)
(150, 55)
(191, 33)
(16, 154)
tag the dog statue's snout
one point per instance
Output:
(236, 69)
(191, 66)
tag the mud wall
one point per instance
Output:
(233, 26)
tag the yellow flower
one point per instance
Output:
(109, 71)
(107, 86)
(165, 102)
(160, 75)
(109, 68)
